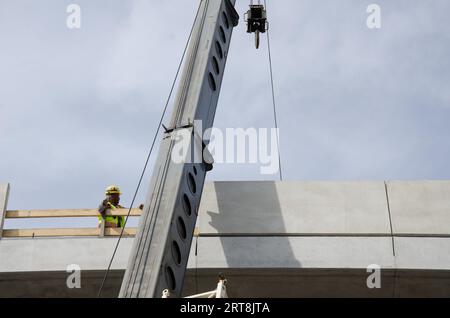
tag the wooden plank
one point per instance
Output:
(66, 232)
(116, 231)
(101, 230)
(51, 232)
(13, 214)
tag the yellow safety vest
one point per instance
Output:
(117, 220)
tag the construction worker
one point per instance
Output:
(111, 202)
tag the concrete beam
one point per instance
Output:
(420, 207)
(160, 250)
(293, 207)
(430, 253)
(291, 252)
(55, 254)
(4, 194)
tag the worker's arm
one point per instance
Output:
(103, 207)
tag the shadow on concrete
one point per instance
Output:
(259, 236)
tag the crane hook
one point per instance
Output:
(256, 18)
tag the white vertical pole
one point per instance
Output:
(4, 193)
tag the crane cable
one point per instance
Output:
(148, 155)
(159, 127)
(273, 101)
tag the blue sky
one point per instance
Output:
(78, 108)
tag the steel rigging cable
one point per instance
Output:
(148, 155)
(273, 101)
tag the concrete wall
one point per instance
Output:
(290, 239)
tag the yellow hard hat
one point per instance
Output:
(112, 189)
